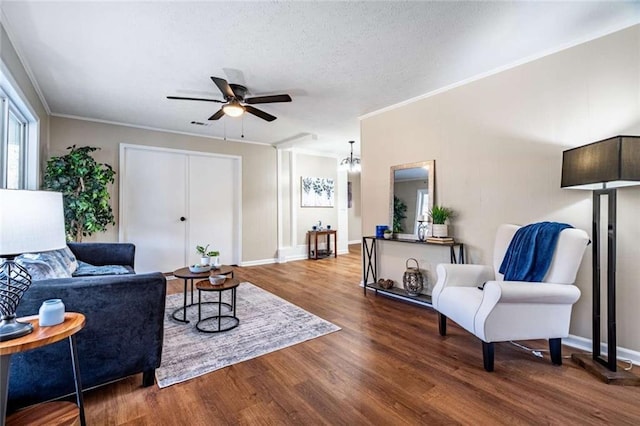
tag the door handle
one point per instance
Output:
(182, 219)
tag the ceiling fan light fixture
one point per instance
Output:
(351, 163)
(233, 109)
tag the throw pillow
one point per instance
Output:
(38, 268)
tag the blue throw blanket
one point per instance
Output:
(530, 252)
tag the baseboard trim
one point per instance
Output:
(586, 345)
(355, 242)
(258, 262)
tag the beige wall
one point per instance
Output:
(355, 212)
(259, 196)
(315, 166)
(498, 144)
(15, 67)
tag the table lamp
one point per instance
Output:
(30, 221)
(602, 167)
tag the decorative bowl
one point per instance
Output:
(217, 279)
(386, 284)
(197, 269)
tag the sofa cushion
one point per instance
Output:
(86, 269)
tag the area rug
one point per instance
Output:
(267, 324)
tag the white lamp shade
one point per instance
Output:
(30, 221)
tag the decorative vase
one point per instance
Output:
(215, 262)
(412, 279)
(51, 313)
(438, 230)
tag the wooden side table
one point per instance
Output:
(44, 413)
(312, 236)
(231, 319)
(186, 275)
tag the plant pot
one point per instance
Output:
(204, 260)
(387, 235)
(438, 230)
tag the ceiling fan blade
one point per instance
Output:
(224, 87)
(259, 113)
(268, 99)
(195, 99)
(218, 115)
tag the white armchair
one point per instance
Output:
(512, 310)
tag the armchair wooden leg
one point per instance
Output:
(487, 355)
(442, 324)
(148, 378)
(555, 349)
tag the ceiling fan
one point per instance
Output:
(235, 103)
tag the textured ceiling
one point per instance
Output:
(117, 61)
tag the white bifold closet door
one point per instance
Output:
(171, 201)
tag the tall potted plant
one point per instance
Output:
(439, 216)
(84, 186)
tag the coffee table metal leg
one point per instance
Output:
(233, 302)
(184, 305)
(219, 310)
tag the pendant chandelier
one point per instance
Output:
(351, 163)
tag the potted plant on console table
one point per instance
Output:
(439, 216)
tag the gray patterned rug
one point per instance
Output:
(267, 324)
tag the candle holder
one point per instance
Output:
(422, 230)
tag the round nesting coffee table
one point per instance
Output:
(231, 321)
(186, 275)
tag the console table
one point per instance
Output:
(312, 236)
(370, 264)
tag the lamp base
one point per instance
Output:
(620, 377)
(12, 329)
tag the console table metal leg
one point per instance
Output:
(369, 261)
(76, 378)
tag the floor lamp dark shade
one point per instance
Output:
(603, 167)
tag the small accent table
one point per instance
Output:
(313, 236)
(45, 413)
(186, 275)
(229, 284)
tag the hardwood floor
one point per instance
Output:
(387, 366)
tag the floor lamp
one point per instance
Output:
(30, 221)
(602, 167)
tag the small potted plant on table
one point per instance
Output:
(439, 216)
(205, 256)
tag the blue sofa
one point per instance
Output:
(122, 336)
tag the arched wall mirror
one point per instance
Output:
(412, 195)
